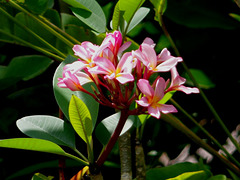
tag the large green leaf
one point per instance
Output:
(129, 7)
(40, 145)
(80, 118)
(27, 67)
(89, 12)
(63, 95)
(106, 127)
(48, 128)
(174, 170)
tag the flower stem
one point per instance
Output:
(176, 123)
(32, 33)
(113, 139)
(62, 38)
(210, 106)
(37, 48)
(205, 132)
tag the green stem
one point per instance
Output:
(176, 123)
(75, 41)
(32, 33)
(210, 106)
(37, 48)
(204, 131)
(62, 38)
(80, 154)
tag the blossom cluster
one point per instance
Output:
(122, 78)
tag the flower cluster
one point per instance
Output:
(123, 78)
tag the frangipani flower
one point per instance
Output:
(122, 72)
(161, 63)
(177, 83)
(73, 77)
(73, 81)
(152, 96)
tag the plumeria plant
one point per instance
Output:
(111, 71)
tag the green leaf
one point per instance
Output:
(129, 7)
(80, 119)
(138, 17)
(198, 175)
(40, 145)
(89, 12)
(235, 16)
(117, 19)
(63, 95)
(106, 127)
(174, 170)
(166, 97)
(37, 6)
(27, 67)
(48, 128)
(203, 80)
(218, 177)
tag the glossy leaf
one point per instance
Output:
(117, 19)
(218, 177)
(203, 80)
(40, 145)
(80, 118)
(106, 127)
(48, 128)
(138, 17)
(89, 12)
(172, 171)
(129, 7)
(63, 95)
(197, 175)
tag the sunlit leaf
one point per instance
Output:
(197, 175)
(89, 12)
(48, 128)
(39, 176)
(129, 7)
(80, 118)
(40, 145)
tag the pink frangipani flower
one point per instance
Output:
(152, 97)
(73, 81)
(177, 83)
(122, 72)
(161, 63)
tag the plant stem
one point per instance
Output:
(37, 48)
(175, 122)
(32, 33)
(205, 131)
(113, 139)
(62, 38)
(210, 106)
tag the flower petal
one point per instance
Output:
(166, 108)
(159, 89)
(154, 111)
(150, 54)
(124, 77)
(188, 90)
(143, 102)
(145, 88)
(166, 65)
